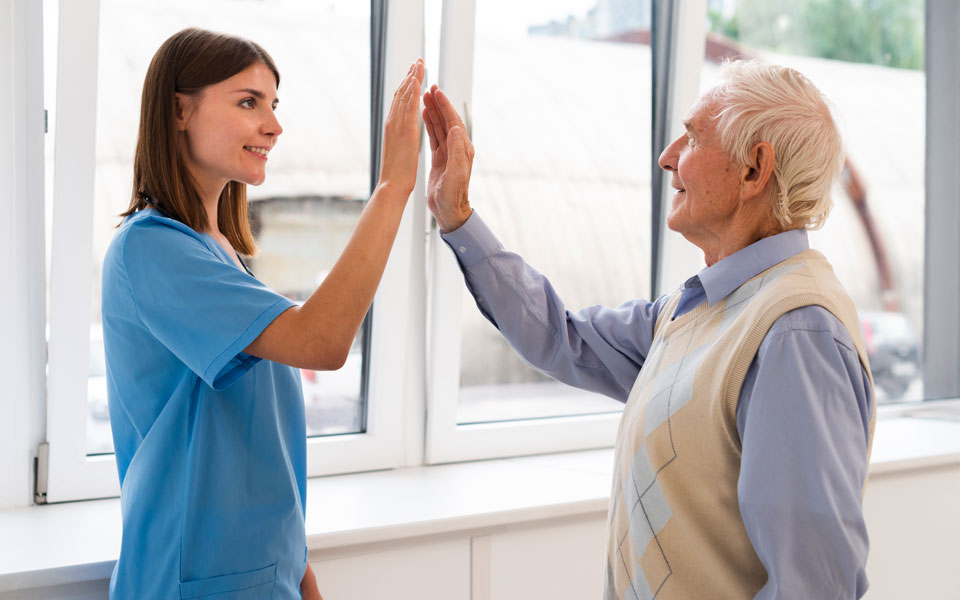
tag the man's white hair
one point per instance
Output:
(760, 102)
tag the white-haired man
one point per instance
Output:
(743, 447)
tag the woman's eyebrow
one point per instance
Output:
(253, 92)
(250, 91)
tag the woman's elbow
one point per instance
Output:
(326, 356)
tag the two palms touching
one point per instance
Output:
(452, 161)
(447, 187)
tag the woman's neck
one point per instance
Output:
(210, 196)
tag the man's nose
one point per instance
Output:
(668, 158)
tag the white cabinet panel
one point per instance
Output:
(562, 560)
(86, 590)
(431, 570)
(914, 524)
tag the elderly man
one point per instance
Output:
(743, 447)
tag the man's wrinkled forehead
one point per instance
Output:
(699, 117)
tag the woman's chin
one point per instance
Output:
(254, 180)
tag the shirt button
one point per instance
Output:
(479, 299)
(463, 249)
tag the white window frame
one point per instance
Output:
(70, 473)
(406, 382)
(447, 440)
(22, 295)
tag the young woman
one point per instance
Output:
(205, 399)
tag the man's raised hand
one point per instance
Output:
(452, 161)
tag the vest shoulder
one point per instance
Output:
(808, 272)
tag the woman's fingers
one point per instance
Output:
(409, 86)
(403, 84)
(410, 100)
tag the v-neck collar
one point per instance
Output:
(215, 246)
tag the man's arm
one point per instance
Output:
(599, 349)
(803, 420)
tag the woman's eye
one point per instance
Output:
(247, 103)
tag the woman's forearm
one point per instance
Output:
(334, 312)
(318, 334)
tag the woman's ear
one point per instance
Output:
(182, 109)
(758, 171)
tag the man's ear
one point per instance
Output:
(181, 110)
(758, 171)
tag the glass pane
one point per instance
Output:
(867, 58)
(318, 176)
(561, 121)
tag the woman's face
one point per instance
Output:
(229, 128)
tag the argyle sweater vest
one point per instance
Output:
(674, 528)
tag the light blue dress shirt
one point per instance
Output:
(803, 415)
(210, 441)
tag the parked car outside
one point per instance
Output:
(894, 352)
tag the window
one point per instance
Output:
(559, 110)
(558, 102)
(319, 179)
(868, 61)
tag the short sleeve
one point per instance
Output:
(204, 310)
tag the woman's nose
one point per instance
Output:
(272, 125)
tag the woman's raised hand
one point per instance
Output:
(401, 134)
(452, 162)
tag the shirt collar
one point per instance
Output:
(722, 278)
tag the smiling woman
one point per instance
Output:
(202, 391)
(165, 159)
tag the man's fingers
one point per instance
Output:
(431, 133)
(441, 118)
(456, 146)
(447, 110)
(429, 100)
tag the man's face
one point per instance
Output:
(706, 180)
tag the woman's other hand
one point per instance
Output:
(401, 134)
(308, 585)
(452, 162)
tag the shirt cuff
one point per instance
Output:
(472, 242)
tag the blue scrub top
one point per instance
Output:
(210, 441)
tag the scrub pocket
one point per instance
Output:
(252, 585)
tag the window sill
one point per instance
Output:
(78, 541)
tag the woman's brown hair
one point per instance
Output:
(186, 63)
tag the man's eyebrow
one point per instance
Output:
(689, 125)
(253, 92)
